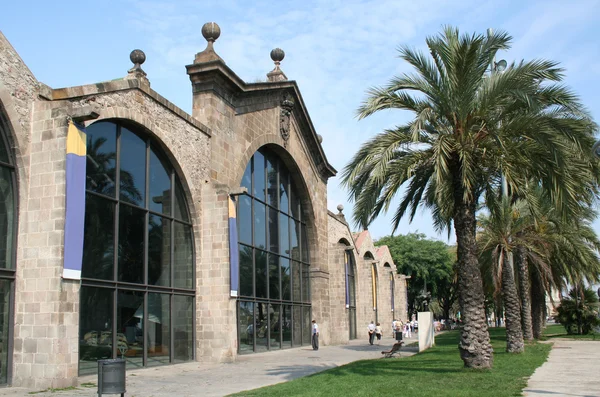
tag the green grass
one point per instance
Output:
(53, 390)
(436, 372)
(558, 331)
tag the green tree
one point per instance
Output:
(578, 312)
(430, 265)
(469, 128)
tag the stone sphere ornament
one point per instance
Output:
(277, 55)
(211, 31)
(137, 57)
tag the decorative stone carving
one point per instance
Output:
(287, 105)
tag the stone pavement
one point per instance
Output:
(248, 372)
(572, 369)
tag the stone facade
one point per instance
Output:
(209, 151)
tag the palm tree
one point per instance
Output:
(500, 233)
(469, 128)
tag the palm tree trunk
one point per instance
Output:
(512, 307)
(523, 266)
(475, 347)
(538, 302)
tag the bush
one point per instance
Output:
(578, 312)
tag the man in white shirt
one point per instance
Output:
(315, 335)
(371, 332)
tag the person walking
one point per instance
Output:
(378, 333)
(371, 328)
(394, 328)
(315, 335)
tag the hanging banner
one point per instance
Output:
(346, 256)
(234, 257)
(75, 201)
(374, 278)
(392, 288)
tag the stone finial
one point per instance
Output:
(340, 208)
(277, 74)
(211, 32)
(320, 138)
(137, 57)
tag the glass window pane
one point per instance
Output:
(3, 148)
(5, 305)
(260, 261)
(262, 327)
(274, 230)
(133, 168)
(260, 232)
(95, 328)
(159, 251)
(294, 234)
(272, 181)
(284, 203)
(305, 283)
(284, 235)
(98, 238)
(297, 326)
(244, 219)
(246, 326)
(247, 178)
(275, 324)
(296, 281)
(286, 326)
(274, 277)
(285, 279)
(294, 204)
(246, 271)
(7, 213)
(259, 176)
(181, 211)
(101, 158)
(132, 222)
(160, 185)
(352, 321)
(304, 244)
(183, 256)
(306, 326)
(130, 315)
(183, 332)
(352, 290)
(158, 331)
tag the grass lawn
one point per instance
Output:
(558, 331)
(436, 372)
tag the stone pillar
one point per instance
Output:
(47, 307)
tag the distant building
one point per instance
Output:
(188, 237)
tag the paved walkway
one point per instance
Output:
(248, 372)
(572, 369)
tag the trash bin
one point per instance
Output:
(399, 336)
(111, 376)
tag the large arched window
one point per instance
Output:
(274, 309)
(137, 294)
(8, 221)
(350, 291)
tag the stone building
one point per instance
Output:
(199, 237)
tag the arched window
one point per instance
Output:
(8, 222)
(274, 308)
(137, 294)
(350, 291)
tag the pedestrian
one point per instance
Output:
(371, 328)
(394, 328)
(315, 335)
(378, 332)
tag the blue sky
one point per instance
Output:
(335, 50)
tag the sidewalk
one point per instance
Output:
(572, 369)
(248, 372)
